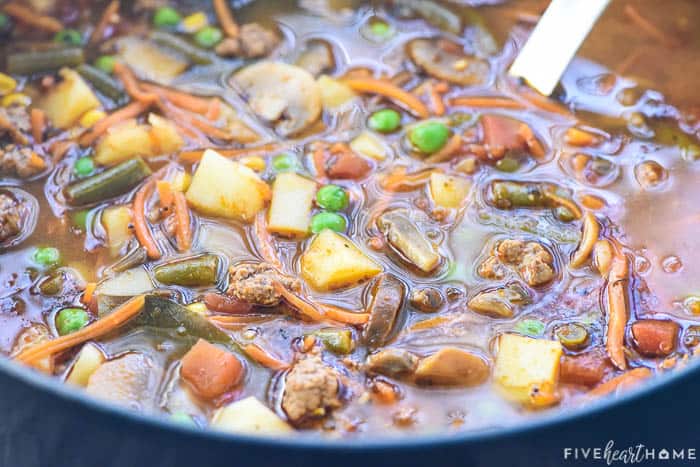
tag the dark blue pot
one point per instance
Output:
(45, 424)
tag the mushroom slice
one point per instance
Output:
(403, 235)
(444, 59)
(384, 309)
(284, 95)
(393, 363)
(452, 367)
(500, 302)
(317, 57)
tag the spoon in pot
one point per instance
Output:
(553, 43)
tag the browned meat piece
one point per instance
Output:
(492, 269)
(18, 116)
(16, 161)
(10, 217)
(254, 41)
(532, 261)
(253, 283)
(311, 390)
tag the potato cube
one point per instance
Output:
(334, 94)
(290, 209)
(448, 191)
(66, 102)
(527, 369)
(164, 136)
(123, 142)
(116, 221)
(88, 360)
(225, 188)
(249, 415)
(333, 261)
(369, 145)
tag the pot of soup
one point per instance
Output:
(338, 232)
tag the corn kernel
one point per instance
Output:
(91, 117)
(16, 98)
(194, 22)
(7, 84)
(198, 307)
(254, 163)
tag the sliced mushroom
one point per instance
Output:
(394, 363)
(403, 235)
(384, 309)
(500, 302)
(317, 57)
(284, 95)
(446, 60)
(130, 380)
(452, 367)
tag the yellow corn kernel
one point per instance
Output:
(91, 117)
(16, 98)
(198, 307)
(194, 22)
(7, 84)
(254, 163)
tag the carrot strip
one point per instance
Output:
(30, 17)
(99, 31)
(186, 118)
(99, 328)
(650, 28)
(319, 160)
(390, 91)
(181, 99)
(165, 193)
(450, 149)
(264, 358)
(226, 20)
(141, 229)
(265, 242)
(543, 103)
(299, 303)
(400, 180)
(591, 230)
(625, 380)
(131, 85)
(232, 322)
(564, 202)
(89, 292)
(429, 323)
(616, 293)
(38, 120)
(214, 110)
(581, 138)
(485, 101)
(531, 141)
(344, 316)
(16, 135)
(435, 100)
(132, 110)
(183, 229)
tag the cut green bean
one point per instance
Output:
(22, 63)
(112, 182)
(198, 271)
(338, 341)
(104, 83)
(193, 53)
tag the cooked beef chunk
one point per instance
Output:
(311, 390)
(253, 283)
(17, 161)
(426, 299)
(18, 116)
(254, 41)
(532, 261)
(10, 217)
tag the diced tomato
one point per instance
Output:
(210, 370)
(655, 338)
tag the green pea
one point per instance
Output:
(332, 198)
(84, 167)
(106, 63)
(381, 29)
(69, 320)
(429, 137)
(530, 327)
(572, 336)
(508, 164)
(384, 121)
(68, 37)
(166, 17)
(328, 220)
(208, 37)
(46, 256)
(80, 219)
(284, 163)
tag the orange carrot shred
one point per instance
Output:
(165, 193)
(99, 31)
(186, 118)
(390, 91)
(226, 20)
(141, 229)
(450, 149)
(435, 100)
(195, 155)
(183, 229)
(132, 110)
(301, 305)
(486, 101)
(344, 316)
(265, 241)
(31, 18)
(89, 292)
(214, 110)
(38, 120)
(264, 358)
(625, 380)
(131, 85)
(36, 161)
(181, 99)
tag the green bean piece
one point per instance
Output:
(104, 83)
(198, 271)
(68, 37)
(508, 164)
(193, 53)
(112, 182)
(572, 336)
(22, 63)
(338, 341)
(507, 195)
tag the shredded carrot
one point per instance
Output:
(214, 109)
(194, 156)
(591, 230)
(429, 323)
(183, 117)
(264, 358)
(344, 316)
(625, 380)
(181, 99)
(131, 85)
(141, 229)
(301, 305)
(89, 292)
(650, 28)
(30, 17)
(531, 141)
(99, 328)
(435, 99)
(183, 229)
(38, 120)
(319, 160)
(226, 20)
(564, 202)
(165, 193)
(99, 31)
(36, 161)
(448, 151)
(265, 242)
(400, 180)
(486, 101)
(390, 91)
(542, 102)
(616, 292)
(17, 136)
(132, 110)
(233, 322)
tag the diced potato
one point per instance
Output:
(222, 187)
(123, 142)
(66, 102)
(334, 94)
(369, 145)
(333, 261)
(116, 222)
(527, 369)
(290, 209)
(88, 360)
(181, 181)
(131, 282)
(150, 61)
(448, 191)
(249, 415)
(164, 136)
